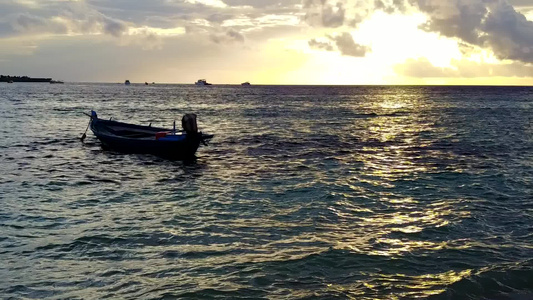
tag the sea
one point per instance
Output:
(305, 192)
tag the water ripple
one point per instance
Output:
(304, 193)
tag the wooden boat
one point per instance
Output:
(167, 143)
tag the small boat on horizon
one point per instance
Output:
(127, 82)
(162, 142)
(56, 82)
(202, 82)
(245, 83)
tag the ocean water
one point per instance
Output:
(305, 192)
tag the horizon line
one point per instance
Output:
(300, 84)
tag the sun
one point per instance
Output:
(393, 38)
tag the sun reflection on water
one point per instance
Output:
(386, 209)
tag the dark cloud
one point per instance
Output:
(114, 27)
(235, 35)
(51, 17)
(344, 43)
(218, 18)
(322, 13)
(333, 16)
(314, 43)
(508, 33)
(380, 5)
(230, 36)
(347, 46)
(492, 24)
(26, 23)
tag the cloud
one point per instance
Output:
(521, 3)
(230, 36)
(344, 43)
(57, 18)
(491, 24)
(218, 18)
(422, 68)
(113, 27)
(386, 7)
(316, 44)
(348, 47)
(27, 23)
(261, 3)
(321, 13)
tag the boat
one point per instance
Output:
(202, 82)
(245, 83)
(127, 82)
(10, 81)
(56, 82)
(145, 83)
(162, 142)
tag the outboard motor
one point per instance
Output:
(188, 122)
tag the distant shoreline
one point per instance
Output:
(8, 78)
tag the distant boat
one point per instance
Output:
(145, 83)
(56, 82)
(10, 81)
(202, 82)
(127, 82)
(245, 83)
(167, 143)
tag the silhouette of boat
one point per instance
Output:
(202, 82)
(245, 83)
(127, 82)
(167, 143)
(56, 82)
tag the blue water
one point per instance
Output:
(304, 193)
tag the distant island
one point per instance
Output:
(7, 78)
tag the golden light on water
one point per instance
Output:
(420, 286)
(386, 215)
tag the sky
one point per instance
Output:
(270, 41)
